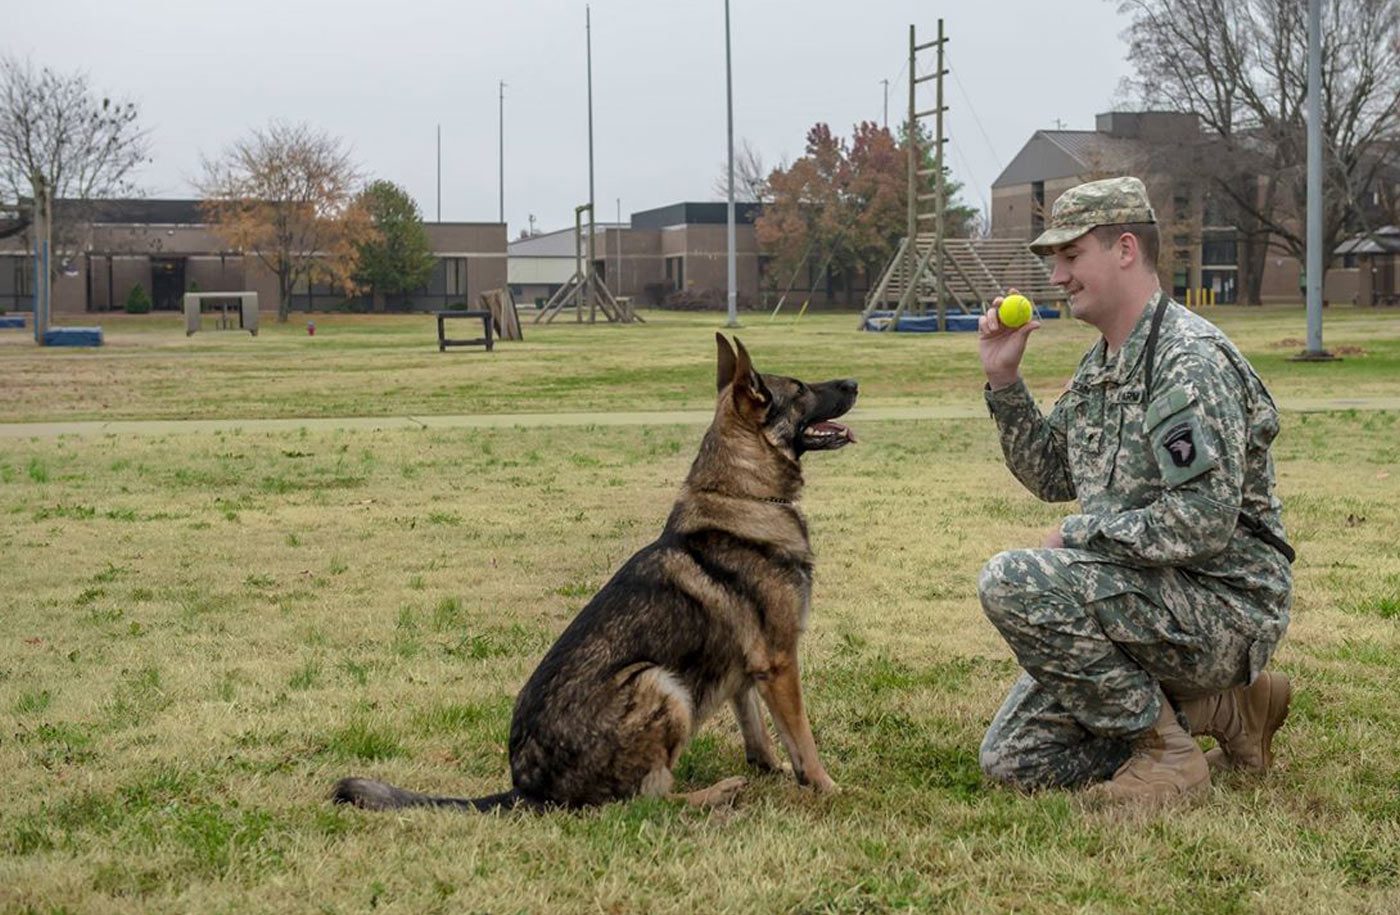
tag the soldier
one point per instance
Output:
(1150, 615)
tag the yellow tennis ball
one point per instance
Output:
(1015, 310)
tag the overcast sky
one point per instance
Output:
(383, 75)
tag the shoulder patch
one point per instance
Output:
(1183, 452)
(1180, 442)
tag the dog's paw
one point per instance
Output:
(770, 764)
(720, 794)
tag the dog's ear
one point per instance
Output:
(748, 386)
(727, 361)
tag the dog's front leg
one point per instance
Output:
(782, 691)
(758, 746)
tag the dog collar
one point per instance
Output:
(735, 495)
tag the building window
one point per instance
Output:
(1215, 212)
(1219, 252)
(455, 269)
(16, 283)
(675, 272)
(1181, 272)
(1181, 208)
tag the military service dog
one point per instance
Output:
(707, 614)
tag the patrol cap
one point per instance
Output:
(1110, 202)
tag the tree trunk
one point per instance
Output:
(284, 296)
(1253, 257)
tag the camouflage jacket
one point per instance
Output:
(1162, 481)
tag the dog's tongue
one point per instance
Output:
(829, 427)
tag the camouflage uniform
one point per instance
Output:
(1160, 582)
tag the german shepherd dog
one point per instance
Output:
(709, 613)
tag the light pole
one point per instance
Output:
(729, 96)
(592, 293)
(502, 155)
(1314, 228)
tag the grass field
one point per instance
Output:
(203, 630)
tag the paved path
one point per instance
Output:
(972, 410)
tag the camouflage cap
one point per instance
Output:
(1110, 202)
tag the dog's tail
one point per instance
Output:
(376, 795)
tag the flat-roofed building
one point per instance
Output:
(168, 248)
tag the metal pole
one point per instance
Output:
(36, 231)
(578, 262)
(502, 155)
(1314, 259)
(588, 29)
(48, 255)
(729, 102)
(887, 103)
(911, 141)
(439, 173)
(617, 273)
(939, 192)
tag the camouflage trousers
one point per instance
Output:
(1095, 639)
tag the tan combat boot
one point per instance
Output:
(1243, 721)
(1166, 764)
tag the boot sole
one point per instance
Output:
(1101, 797)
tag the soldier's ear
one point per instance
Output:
(725, 370)
(749, 389)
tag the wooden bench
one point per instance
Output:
(483, 315)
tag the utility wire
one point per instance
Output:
(972, 110)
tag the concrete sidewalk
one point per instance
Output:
(971, 410)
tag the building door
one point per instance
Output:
(167, 283)
(1222, 284)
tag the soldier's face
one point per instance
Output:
(1089, 272)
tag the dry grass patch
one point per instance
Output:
(203, 631)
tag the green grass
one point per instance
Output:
(362, 365)
(203, 630)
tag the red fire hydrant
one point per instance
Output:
(311, 328)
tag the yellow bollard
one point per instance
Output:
(1188, 296)
(802, 311)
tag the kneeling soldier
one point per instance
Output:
(1149, 616)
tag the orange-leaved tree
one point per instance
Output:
(287, 196)
(845, 205)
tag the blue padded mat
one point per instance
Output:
(73, 336)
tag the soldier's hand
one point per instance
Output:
(1054, 539)
(1002, 347)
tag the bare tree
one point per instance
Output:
(287, 196)
(750, 176)
(1241, 66)
(60, 141)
